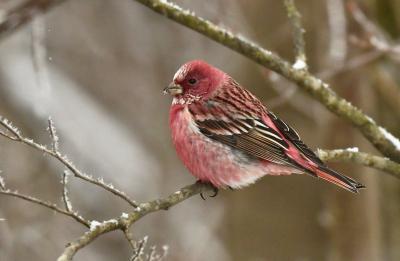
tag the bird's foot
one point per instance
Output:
(215, 190)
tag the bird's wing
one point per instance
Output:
(322, 170)
(291, 135)
(243, 131)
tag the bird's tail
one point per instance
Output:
(332, 176)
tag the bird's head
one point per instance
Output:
(195, 80)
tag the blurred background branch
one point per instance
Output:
(22, 14)
(298, 35)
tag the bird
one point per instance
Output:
(226, 137)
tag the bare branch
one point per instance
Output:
(318, 89)
(352, 155)
(8, 136)
(65, 161)
(23, 14)
(139, 249)
(53, 135)
(352, 64)
(129, 237)
(125, 222)
(376, 37)
(16, 136)
(65, 196)
(298, 35)
(368, 26)
(46, 204)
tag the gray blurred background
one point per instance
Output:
(98, 68)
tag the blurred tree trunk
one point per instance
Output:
(386, 81)
(355, 228)
(386, 89)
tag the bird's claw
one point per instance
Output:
(215, 191)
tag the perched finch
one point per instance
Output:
(225, 136)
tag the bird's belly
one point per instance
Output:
(215, 162)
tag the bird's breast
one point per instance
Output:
(209, 160)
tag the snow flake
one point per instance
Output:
(354, 149)
(94, 224)
(299, 65)
(391, 138)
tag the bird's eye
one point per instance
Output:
(192, 81)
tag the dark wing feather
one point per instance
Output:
(250, 136)
(293, 137)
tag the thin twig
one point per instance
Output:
(352, 155)
(377, 38)
(23, 14)
(46, 204)
(125, 222)
(298, 34)
(65, 194)
(6, 135)
(53, 135)
(367, 25)
(129, 238)
(139, 249)
(65, 161)
(10, 128)
(352, 64)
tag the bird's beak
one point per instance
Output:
(173, 89)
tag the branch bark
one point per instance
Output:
(348, 155)
(123, 223)
(14, 134)
(46, 204)
(308, 82)
(298, 34)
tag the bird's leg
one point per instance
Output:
(215, 190)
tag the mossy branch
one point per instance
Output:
(123, 223)
(362, 158)
(314, 86)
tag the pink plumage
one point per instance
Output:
(224, 135)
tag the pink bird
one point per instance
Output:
(225, 136)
